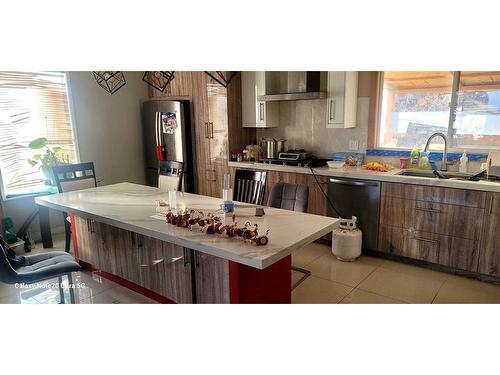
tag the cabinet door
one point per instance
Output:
(107, 248)
(87, 241)
(212, 279)
(176, 269)
(165, 269)
(489, 261)
(342, 97)
(126, 250)
(218, 122)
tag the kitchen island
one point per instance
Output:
(116, 233)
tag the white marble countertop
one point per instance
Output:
(130, 207)
(360, 173)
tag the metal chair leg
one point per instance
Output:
(306, 273)
(71, 288)
(61, 290)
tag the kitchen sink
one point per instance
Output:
(448, 175)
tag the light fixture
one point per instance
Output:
(221, 78)
(110, 81)
(158, 80)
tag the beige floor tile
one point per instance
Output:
(118, 294)
(359, 296)
(305, 255)
(348, 273)
(406, 287)
(316, 290)
(416, 271)
(458, 289)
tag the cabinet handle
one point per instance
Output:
(211, 130)
(426, 240)
(332, 109)
(428, 210)
(155, 262)
(88, 225)
(261, 111)
(186, 257)
(206, 130)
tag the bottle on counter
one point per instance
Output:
(464, 161)
(414, 157)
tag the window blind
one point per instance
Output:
(32, 105)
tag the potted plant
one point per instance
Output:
(46, 160)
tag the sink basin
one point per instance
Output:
(429, 174)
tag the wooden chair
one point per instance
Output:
(249, 186)
(293, 197)
(72, 177)
(170, 175)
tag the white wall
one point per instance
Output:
(108, 127)
(109, 133)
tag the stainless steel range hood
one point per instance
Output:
(297, 86)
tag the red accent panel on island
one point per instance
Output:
(270, 285)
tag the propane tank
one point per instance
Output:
(346, 240)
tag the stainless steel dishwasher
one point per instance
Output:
(360, 198)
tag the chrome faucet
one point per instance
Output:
(444, 163)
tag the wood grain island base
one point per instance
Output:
(114, 234)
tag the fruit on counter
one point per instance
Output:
(376, 166)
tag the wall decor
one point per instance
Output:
(158, 80)
(110, 81)
(222, 79)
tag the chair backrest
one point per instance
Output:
(170, 175)
(249, 186)
(293, 197)
(7, 274)
(71, 177)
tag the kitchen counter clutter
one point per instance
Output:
(360, 173)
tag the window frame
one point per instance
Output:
(451, 119)
(3, 193)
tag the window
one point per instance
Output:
(416, 104)
(32, 105)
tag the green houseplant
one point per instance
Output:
(46, 158)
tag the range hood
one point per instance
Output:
(296, 86)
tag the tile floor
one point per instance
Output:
(374, 280)
(367, 280)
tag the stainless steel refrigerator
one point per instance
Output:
(167, 136)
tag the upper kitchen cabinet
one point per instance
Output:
(342, 97)
(257, 113)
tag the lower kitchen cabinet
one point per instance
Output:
(489, 263)
(455, 252)
(162, 267)
(87, 240)
(442, 226)
(165, 269)
(212, 278)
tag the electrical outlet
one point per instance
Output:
(353, 145)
